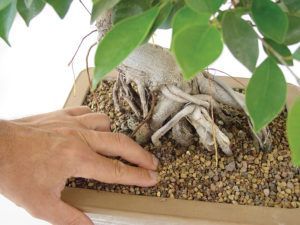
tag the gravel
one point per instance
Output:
(249, 177)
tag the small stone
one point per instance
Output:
(220, 122)
(230, 167)
(207, 163)
(158, 194)
(183, 175)
(241, 134)
(280, 158)
(288, 191)
(266, 192)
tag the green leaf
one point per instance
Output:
(60, 6)
(281, 49)
(241, 39)
(271, 21)
(121, 40)
(4, 3)
(265, 94)
(100, 6)
(296, 54)
(7, 16)
(167, 24)
(165, 10)
(196, 47)
(27, 3)
(293, 131)
(292, 5)
(128, 8)
(186, 17)
(210, 6)
(293, 33)
(29, 13)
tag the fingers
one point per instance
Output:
(77, 111)
(95, 121)
(60, 213)
(113, 171)
(116, 144)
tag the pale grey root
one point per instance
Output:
(181, 104)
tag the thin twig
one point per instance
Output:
(87, 63)
(74, 80)
(280, 58)
(82, 40)
(213, 127)
(148, 117)
(236, 80)
(84, 6)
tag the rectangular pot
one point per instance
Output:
(114, 208)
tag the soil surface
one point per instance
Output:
(249, 177)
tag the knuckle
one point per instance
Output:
(119, 169)
(120, 138)
(68, 132)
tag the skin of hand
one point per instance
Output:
(39, 153)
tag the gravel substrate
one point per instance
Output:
(249, 177)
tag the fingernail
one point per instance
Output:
(153, 175)
(155, 161)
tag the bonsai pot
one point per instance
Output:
(113, 208)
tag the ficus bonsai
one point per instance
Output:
(174, 89)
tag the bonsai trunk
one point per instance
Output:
(151, 83)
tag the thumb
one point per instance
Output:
(64, 214)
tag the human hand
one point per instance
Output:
(38, 154)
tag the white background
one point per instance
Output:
(35, 78)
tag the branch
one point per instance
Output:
(82, 40)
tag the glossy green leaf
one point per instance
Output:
(296, 54)
(128, 8)
(7, 16)
(293, 132)
(270, 20)
(196, 47)
(4, 3)
(265, 94)
(186, 17)
(164, 11)
(241, 39)
(29, 13)
(292, 5)
(60, 6)
(100, 6)
(293, 33)
(27, 2)
(281, 49)
(210, 6)
(121, 40)
(167, 24)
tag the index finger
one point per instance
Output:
(117, 144)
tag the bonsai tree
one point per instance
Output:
(172, 89)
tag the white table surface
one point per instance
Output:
(35, 78)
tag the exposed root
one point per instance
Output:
(181, 105)
(115, 94)
(142, 94)
(171, 123)
(178, 95)
(148, 117)
(183, 133)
